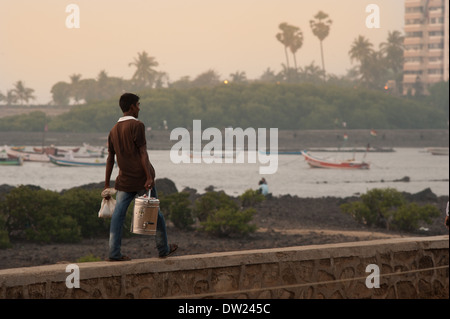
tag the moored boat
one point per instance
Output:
(75, 162)
(316, 162)
(26, 156)
(438, 150)
(11, 161)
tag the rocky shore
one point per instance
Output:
(282, 221)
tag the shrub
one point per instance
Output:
(220, 215)
(388, 208)
(83, 206)
(178, 210)
(38, 215)
(251, 197)
(4, 237)
(227, 222)
(210, 202)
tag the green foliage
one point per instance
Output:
(31, 122)
(221, 216)
(83, 206)
(388, 208)
(38, 215)
(226, 222)
(251, 197)
(177, 208)
(4, 237)
(285, 106)
(210, 202)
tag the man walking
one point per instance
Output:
(127, 142)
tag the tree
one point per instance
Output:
(208, 78)
(392, 52)
(296, 43)
(75, 87)
(269, 76)
(321, 28)
(312, 73)
(61, 93)
(238, 77)
(285, 37)
(23, 93)
(361, 49)
(144, 75)
(10, 97)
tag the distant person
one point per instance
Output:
(446, 216)
(126, 142)
(263, 187)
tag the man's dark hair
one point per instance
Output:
(127, 100)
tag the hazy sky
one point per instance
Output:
(187, 37)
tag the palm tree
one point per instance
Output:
(392, 51)
(23, 93)
(145, 75)
(268, 76)
(312, 73)
(361, 49)
(238, 77)
(10, 97)
(285, 37)
(321, 28)
(296, 43)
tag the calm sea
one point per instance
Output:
(293, 176)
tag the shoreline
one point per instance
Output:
(288, 140)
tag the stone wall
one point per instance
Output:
(408, 268)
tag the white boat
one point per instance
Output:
(61, 161)
(26, 156)
(95, 150)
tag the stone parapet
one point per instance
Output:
(408, 268)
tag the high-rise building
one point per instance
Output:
(426, 54)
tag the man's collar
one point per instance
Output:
(126, 118)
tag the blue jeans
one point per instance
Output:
(123, 201)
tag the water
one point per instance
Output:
(293, 176)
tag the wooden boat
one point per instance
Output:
(438, 150)
(95, 151)
(4, 161)
(61, 161)
(51, 150)
(316, 162)
(27, 156)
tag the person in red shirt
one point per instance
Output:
(127, 144)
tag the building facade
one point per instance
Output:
(426, 45)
